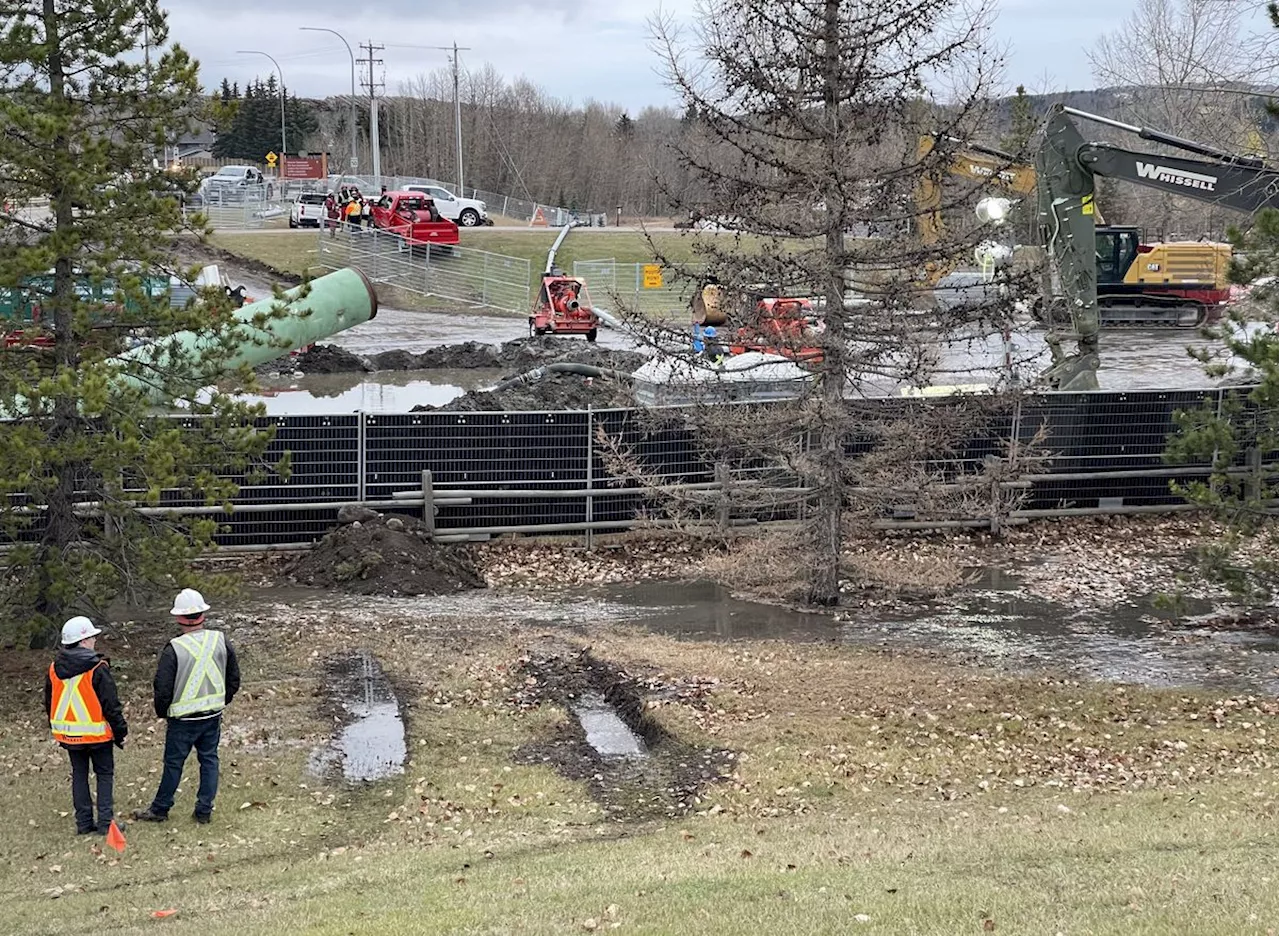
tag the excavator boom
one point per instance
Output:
(972, 161)
(1066, 166)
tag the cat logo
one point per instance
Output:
(1153, 267)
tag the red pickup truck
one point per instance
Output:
(414, 217)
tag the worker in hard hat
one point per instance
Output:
(86, 718)
(196, 678)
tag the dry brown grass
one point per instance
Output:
(923, 796)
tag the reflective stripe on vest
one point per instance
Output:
(75, 714)
(200, 684)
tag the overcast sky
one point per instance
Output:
(575, 49)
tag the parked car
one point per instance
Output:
(413, 216)
(307, 210)
(233, 183)
(465, 212)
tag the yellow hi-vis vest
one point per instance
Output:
(201, 681)
(75, 714)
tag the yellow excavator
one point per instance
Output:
(1181, 283)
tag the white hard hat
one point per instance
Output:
(189, 603)
(77, 629)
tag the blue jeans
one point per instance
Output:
(180, 737)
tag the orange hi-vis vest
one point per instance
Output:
(75, 714)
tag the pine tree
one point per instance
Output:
(248, 128)
(1246, 340)
(89, 440)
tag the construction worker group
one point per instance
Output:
(196, 677)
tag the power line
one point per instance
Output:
(374, 86)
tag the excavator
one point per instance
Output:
(1085, 261)
(1142, 285)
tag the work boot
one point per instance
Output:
(202, 818)
(148, 815)
(120, 824)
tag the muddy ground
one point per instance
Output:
(665, 781)
(237, 267)
(512, 357)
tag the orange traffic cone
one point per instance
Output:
(115, 838)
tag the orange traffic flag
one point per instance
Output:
(161, 914)
(115, 838)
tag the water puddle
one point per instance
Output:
(1131, 358)
(371, 746)
(378, 392)
(994, 624)
(605, 729)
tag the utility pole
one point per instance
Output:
(374, 86)
(457, 105)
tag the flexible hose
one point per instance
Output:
(584, 370)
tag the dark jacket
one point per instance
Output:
(72, 661)
(167, 674)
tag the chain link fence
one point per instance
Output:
(462, 274)
(647, 288)
(508, 206)
(239, 208)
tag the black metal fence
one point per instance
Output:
(547, 471)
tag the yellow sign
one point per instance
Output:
(271, 159)
(652, 274)
(1086, 205)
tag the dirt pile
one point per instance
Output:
(552, 392)
(470, 355)
(373, 554)
(318, 359)
(523, 354)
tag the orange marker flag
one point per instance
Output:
(115, 838)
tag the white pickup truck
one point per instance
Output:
(464, 212)
(307, 210)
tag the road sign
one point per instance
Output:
(652, 274)
(355, 162)
(271, 159)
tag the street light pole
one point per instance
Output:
(284, 141)
(352, 164)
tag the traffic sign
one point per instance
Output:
(355, 162)
(652, 274)
(271, 159)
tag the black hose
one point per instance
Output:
(584, 370)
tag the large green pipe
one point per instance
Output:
(332, 303)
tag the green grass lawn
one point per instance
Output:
(867, 793)
(295, 251)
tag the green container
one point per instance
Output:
(21, 305)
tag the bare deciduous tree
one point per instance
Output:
(1189, 67)
(808, 119)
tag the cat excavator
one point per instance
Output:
(1083, 257)
(1181, 283)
